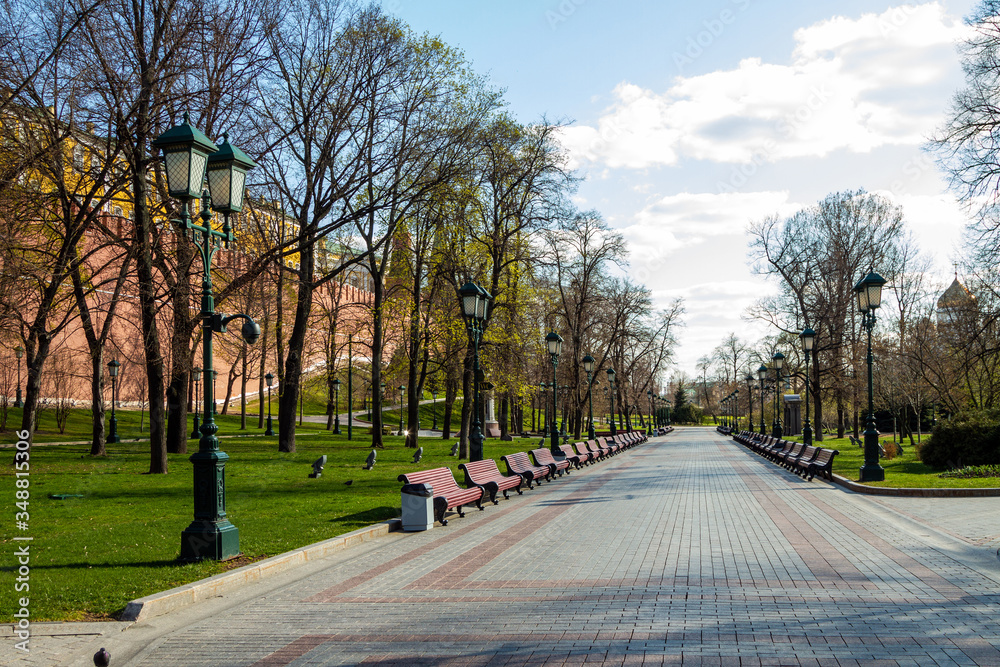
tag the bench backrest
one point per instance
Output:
(808, 453)
(519, 461)
(795, 450)
(440, 479)
(484, 470)
(569, 451)
(825, 456)
(543, 456)
(581, 448)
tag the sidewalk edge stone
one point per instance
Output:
(915, 493)
(188, 594)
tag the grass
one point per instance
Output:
(91, 555)
(903, 471)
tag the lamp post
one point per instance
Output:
(869, 293)
(269, 380)
(545, 410)
(808, 338)
(649, 422)
(778, 361)
(475, 304)
(762, 376)
(669, 405)
(553, 343)
(188, 155)
(562, 431)
(336, 406)
(350, 386)
(434, 413)
(611, 393)
(113, 367)
(736, 409)
(749, 380)
(18, 352)
(588, 367)
(402, 401)
(196, 377)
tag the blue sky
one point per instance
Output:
(689, 120)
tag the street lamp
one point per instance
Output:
(336, 406)
(475, 307)
(269, 379)
(553, 343)
(611, 393)
(762, 376)
(869, 293)
(588, 367)
(778, 361)
(749, 380)
(736, 409)
(434, 395)
(649, 422)
(808, 338)
(187, 155)
(18, 352)
(113, 367)
(669, 405)
(402, 401)
(195, 377)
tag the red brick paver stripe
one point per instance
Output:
(296, 649)
(827, 564)
(473, 554)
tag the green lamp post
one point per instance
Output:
(269, 380)
(113, 367)
(649, 422)
(749, 380)
(588, 367)
(808, 338)
(336, 406)
(762, 376)
(195, 378)
(402, 402)
(869, 294)
(611, 393)
(188, 155)
(18, 352)
(475, 308)
(553, 343)
(777, 361)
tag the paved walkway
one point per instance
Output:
(688, 549)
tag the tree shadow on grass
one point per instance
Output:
(367, 517)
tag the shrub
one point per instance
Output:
(968, 439)
(971, 472)
(688, 414)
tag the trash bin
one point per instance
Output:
(418, 507)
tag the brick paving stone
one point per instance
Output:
(687, 550)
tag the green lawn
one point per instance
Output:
(91, 555)
(905, 471)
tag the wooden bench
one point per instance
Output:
(543, 457)
(584, 451)
(447, 493)
(518, 463)
(575, 458)
(487, 475)
(822, 465)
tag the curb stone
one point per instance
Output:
(214, 586)
(915, 493)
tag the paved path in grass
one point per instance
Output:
(685, 550)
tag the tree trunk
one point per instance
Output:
(180, 345)
(467, 400)
(291, 382)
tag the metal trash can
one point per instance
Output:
(418, 507)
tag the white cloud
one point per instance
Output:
(853, 84)
(681, 221)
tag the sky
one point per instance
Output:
(690, 120)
